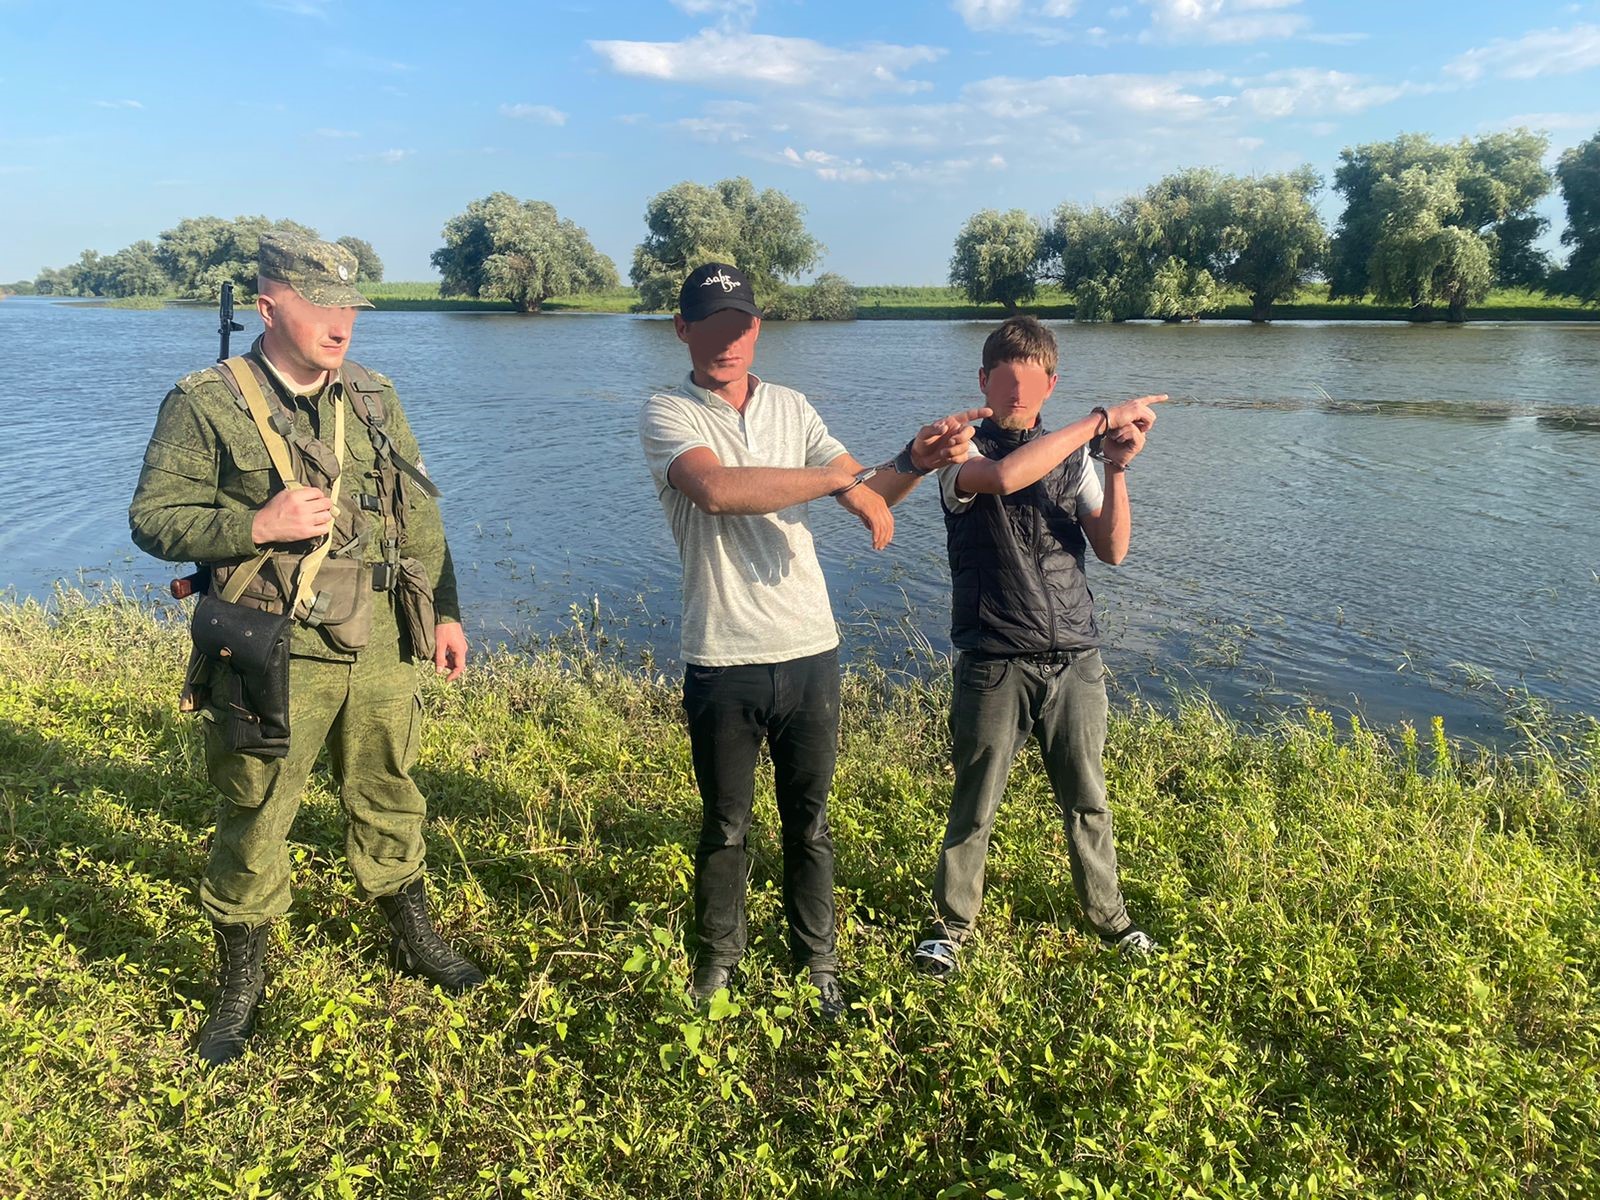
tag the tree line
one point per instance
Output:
(504, 248)
(192, 259)
(521, 251)
(1432, 225)
(1427, 224)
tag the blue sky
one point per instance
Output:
(891, 122)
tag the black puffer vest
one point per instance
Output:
(1016, 562)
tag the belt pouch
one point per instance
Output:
(413, 593)
(342, 609)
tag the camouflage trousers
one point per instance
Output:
(368, 714)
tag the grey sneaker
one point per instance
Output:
(708, 980)
(1132, 942)
(935, 957)
(831, 1004)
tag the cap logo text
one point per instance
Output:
(727, 281)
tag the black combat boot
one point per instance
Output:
(241, 986)
(417, 948)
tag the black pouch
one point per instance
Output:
(250, 697)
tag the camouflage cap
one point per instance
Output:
(323, 272)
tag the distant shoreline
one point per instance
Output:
(892, 303)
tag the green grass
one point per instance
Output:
(424, 297)
(890, 303)
(1381, 976)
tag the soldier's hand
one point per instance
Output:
(292, 516)
(1134, 412)
(449, 650)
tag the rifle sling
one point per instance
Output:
(415, 475)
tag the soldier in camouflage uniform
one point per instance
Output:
(209, 493)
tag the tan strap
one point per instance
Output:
(277, 448)
(278, 451)
(312, 563)
(244, 576)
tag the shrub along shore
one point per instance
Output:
(1380, 978)
(891, 303)
(944, 303)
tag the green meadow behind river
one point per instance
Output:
(1379, 976)
(890, 303)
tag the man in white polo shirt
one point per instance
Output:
(736, 460)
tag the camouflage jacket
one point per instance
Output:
(206, 472)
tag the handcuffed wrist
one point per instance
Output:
(861, 477)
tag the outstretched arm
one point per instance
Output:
(1032, 461)
(947, 440)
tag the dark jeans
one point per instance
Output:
(998, 704)
(794, 706)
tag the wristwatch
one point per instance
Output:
(904, 465)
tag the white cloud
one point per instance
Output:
(1172, 97)
(337, 133)
(832, 168)
(1223, 20)
(727, 10)
(1089, 124)
(1030, 18)
(1553, 122)
(759, 62)
(1542, 52)
(544, 114)
(1304, 91)
(117, 104)
(988, 14)
(387, 157)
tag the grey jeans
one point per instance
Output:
(999, 703)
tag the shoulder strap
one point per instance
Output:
(368, 406)
(256, 404)
(278, 450)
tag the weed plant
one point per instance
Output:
(1378, 981)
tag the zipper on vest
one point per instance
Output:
(1038, 562)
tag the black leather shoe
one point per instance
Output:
(708, 979)
(241, 987)
(417, 949)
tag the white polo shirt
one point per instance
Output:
(753, 590)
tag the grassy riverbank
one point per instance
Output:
(1381, 979)
(889, 303)
(892, 303)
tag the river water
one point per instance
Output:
(1395, 520)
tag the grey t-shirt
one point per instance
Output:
(753, 590)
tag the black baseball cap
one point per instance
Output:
(714, 287)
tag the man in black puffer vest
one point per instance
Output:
(1018, 516)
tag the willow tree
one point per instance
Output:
(690, 224)
(996, 258)
(502, 248)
